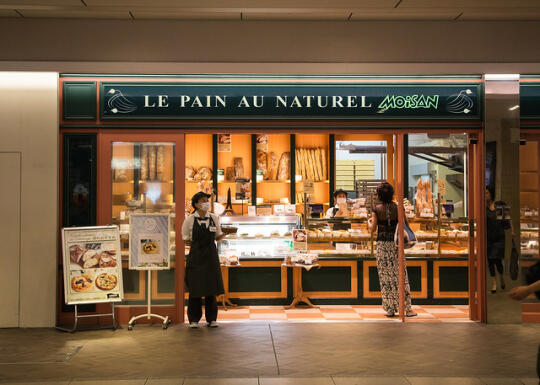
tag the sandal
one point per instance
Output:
(411, 314)
(390, 314)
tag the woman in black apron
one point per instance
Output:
(203, 272)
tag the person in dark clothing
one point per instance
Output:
(384, 219)
(496, 233)
(203, 273)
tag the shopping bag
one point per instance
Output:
(514, 262)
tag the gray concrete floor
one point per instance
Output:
(275, 354)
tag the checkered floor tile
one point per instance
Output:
(341, 313)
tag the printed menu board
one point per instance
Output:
(149, 242)
(92, 265)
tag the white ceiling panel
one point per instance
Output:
(500, 15)
(8, 13)
(182, 15)
(296, 16)
(274, 4)
(76, 14)
(469, 3)
(15, 4)
(405, 14)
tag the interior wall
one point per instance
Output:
(29, 126)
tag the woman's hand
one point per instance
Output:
(519, 293)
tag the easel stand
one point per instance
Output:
(77, 316)
(149, 314)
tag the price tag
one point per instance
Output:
(309, 188)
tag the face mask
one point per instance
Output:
(205, 206)
(341, 200)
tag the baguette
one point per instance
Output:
(324, 167)
(284, 166)
(319, 163)
(272, 162)
(310, 162)
(301, 163)
(316, 167)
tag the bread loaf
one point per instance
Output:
(152, 162)
(324, 167)
(284, 166)
(205, 173)
(238, 165)
(190, 173)
(262, 163)
(144, 162)
(229, 173)
(272, 162)
(159, 163)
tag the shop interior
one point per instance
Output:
(259, 187)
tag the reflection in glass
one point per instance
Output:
(143, 182)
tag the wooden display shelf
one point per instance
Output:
(273, 181)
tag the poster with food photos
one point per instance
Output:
(149, 242)
(92, 265)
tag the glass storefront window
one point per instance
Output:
(143, 182)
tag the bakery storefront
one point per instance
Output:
(275, 149)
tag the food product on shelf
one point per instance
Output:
(272, 162)
(229, 173)
(120, 175)
(238, 164)
(152, 162)
(305, 259)
(144, 163)
(204, 173)
(424, 199)
(159, 162)
(190, 173)
(311, 163)
(262, 163)
(284, 166)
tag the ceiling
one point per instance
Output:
(330, 10)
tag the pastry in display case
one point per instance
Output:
(257, 237)
(529, 232)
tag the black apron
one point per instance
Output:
(203, 273)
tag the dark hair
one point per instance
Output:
(340, 191)
(385, 192)
(197, 197)
(491, 191)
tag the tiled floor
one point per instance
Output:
(341, 313)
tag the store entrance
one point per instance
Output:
(268, 184)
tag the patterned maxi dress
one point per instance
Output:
(387, 259)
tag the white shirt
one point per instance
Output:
(330, 212)
(187, 226)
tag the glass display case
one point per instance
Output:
(257, 236)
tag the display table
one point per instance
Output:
(298, 291)
(224, 298)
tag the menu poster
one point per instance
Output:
(262, 142)
(300, 239)
(224, 142)
(149, 242)
(92, 265)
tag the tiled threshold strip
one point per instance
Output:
(336, 380)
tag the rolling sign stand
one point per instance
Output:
(92, 270)
(149, 314)
(149, 250)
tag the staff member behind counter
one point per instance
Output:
(339, 210)
(201, 230)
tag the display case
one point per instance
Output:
(436, 238)
(257, 237)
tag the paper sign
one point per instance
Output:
(149, 242)
(224, 142)
(300, 239)
(309, 188)
(92, 265)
